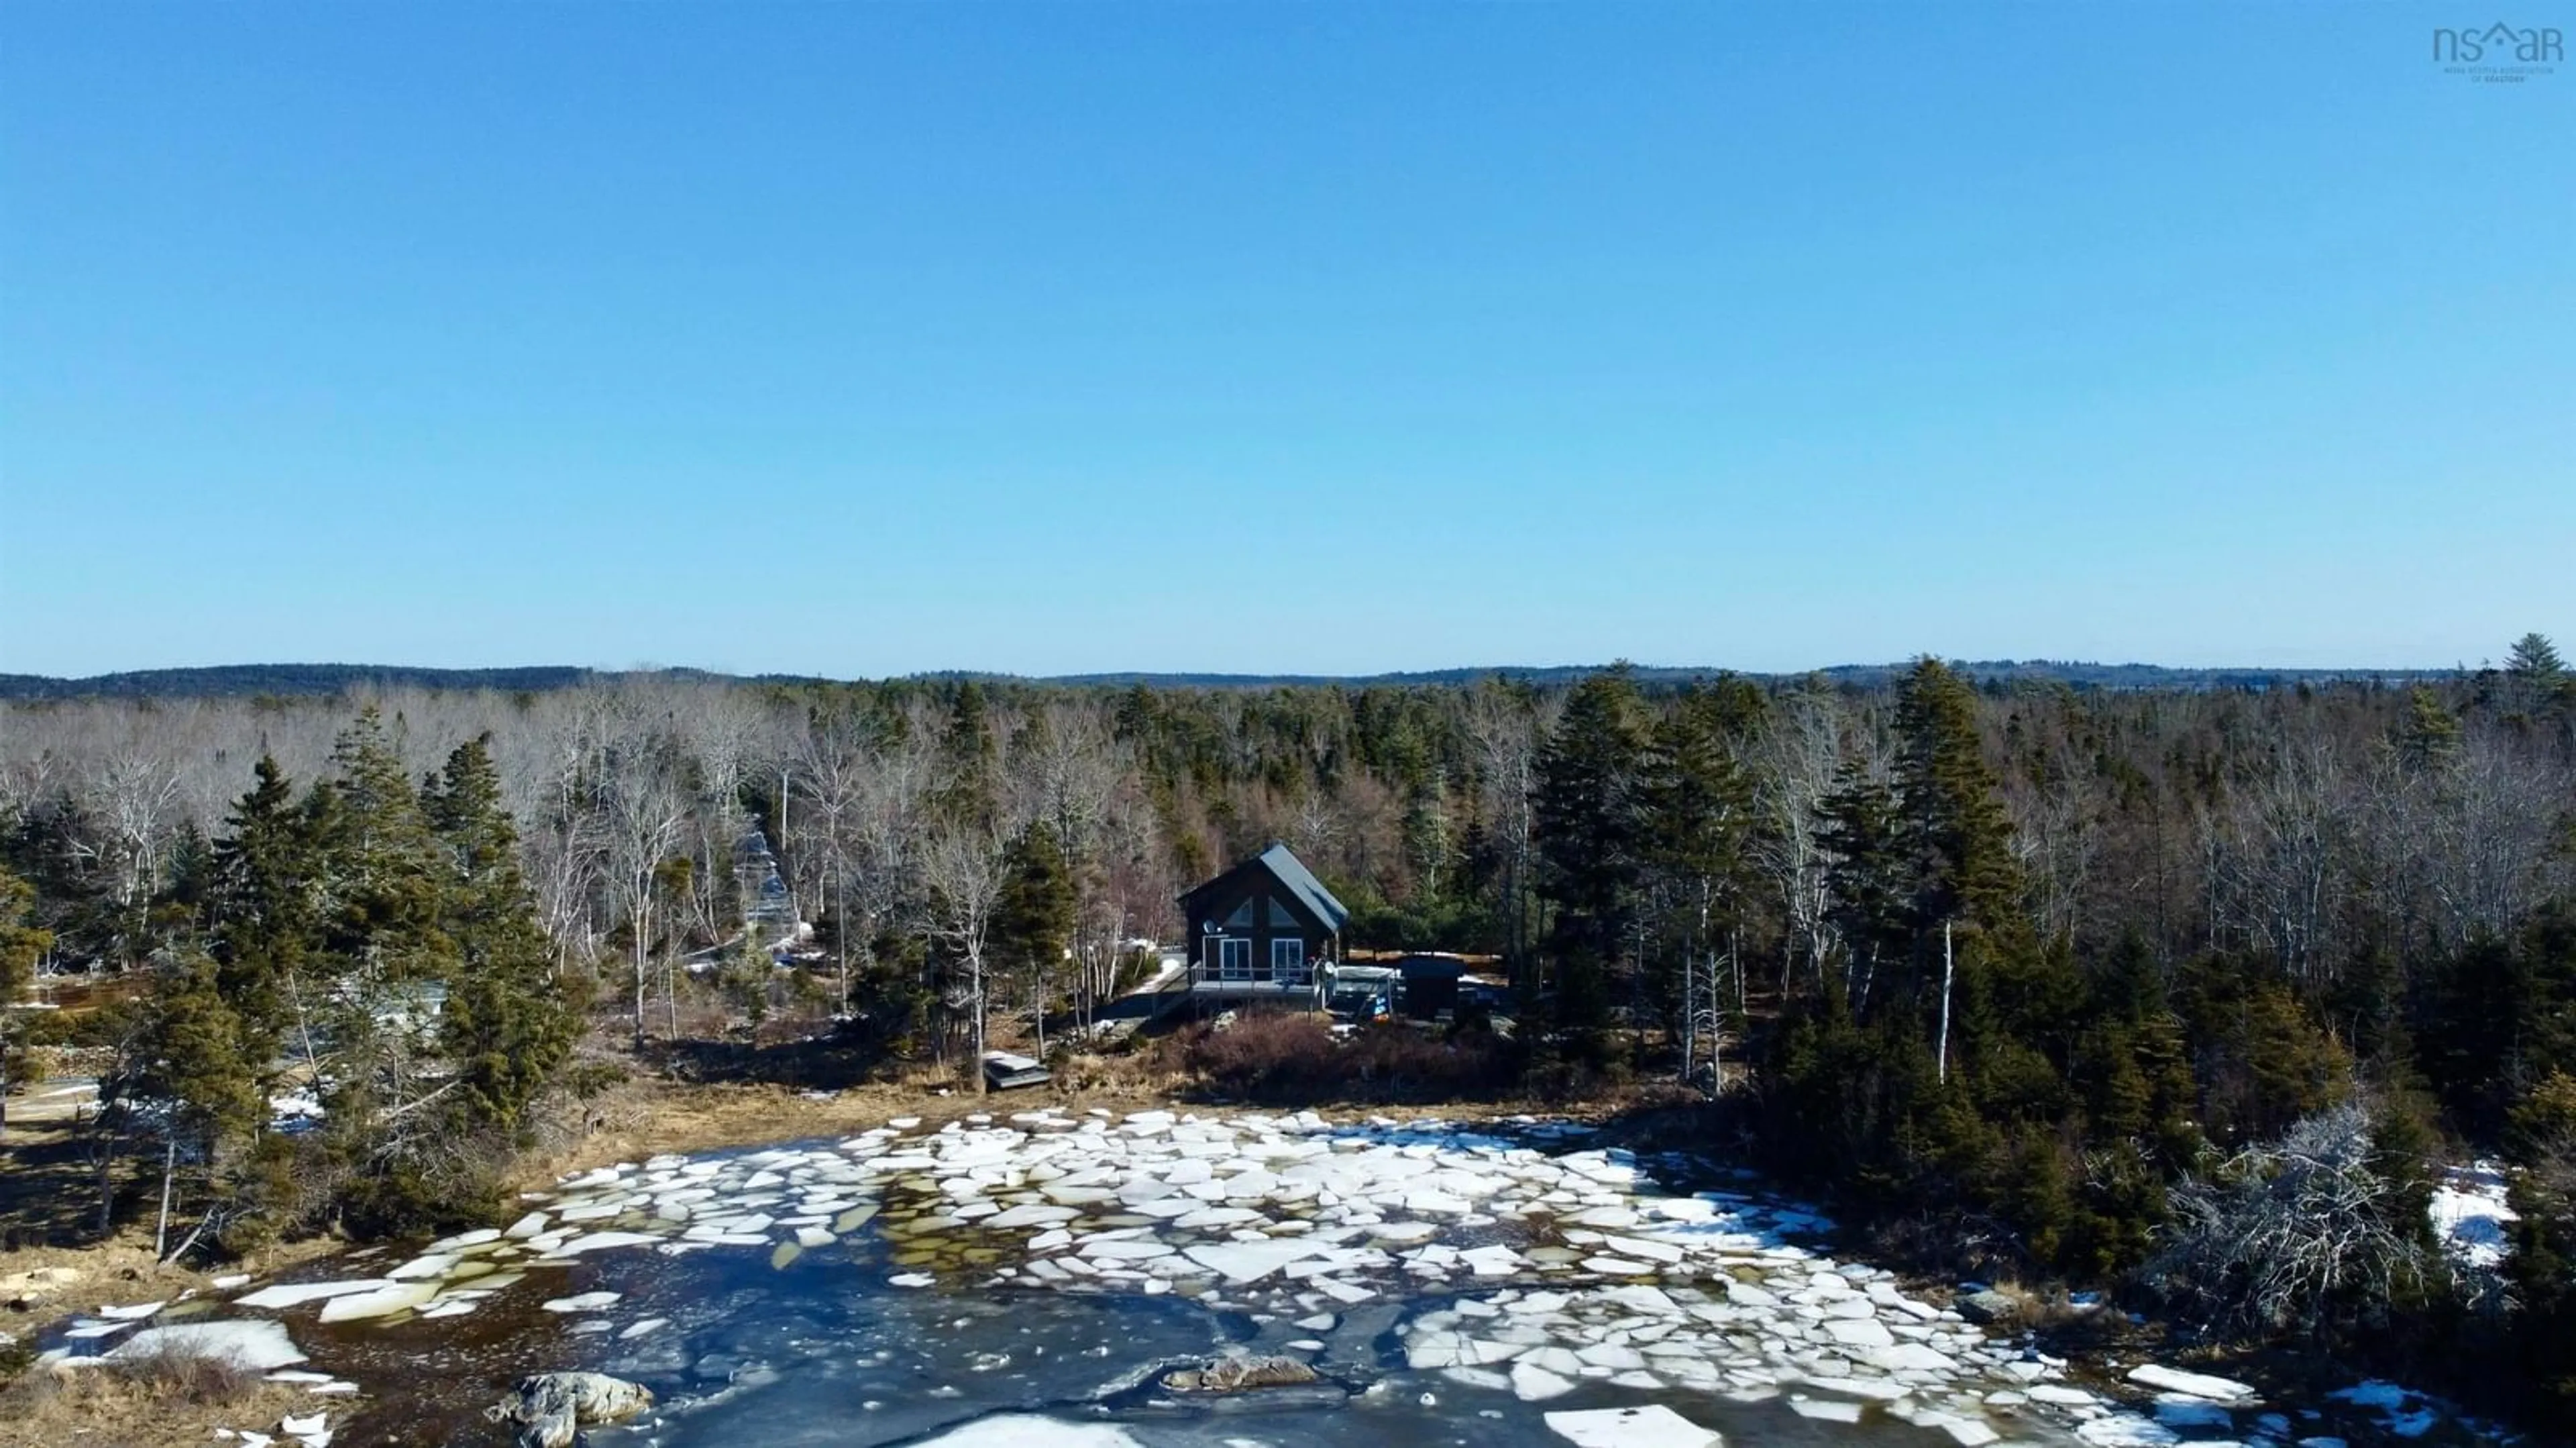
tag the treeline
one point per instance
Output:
(2087, 983)
(282, 681)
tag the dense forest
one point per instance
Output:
(2186, 991)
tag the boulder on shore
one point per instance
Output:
(551, 1409)
(1240, 1374)
(1988, 1307)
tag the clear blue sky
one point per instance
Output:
(858, 339)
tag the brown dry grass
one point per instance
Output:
(42, 1286)
(643, 1116)
(157, 1402)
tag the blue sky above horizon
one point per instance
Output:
(855, 340)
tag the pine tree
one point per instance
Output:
(1948, 793)
(2537, 678)
(2534, 659)
(2429, 736)
(1871, 881)
(1033, 923)
(507, 1025)
(379, 863)
(1590, 841)
(1698, 808)
(262, 920)
(21, 946)
(968, 745)
(382, 956)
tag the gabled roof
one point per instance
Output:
(1301, 882)
(1291, 873)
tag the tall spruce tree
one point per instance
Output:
(1591, 849)
(386, 955)
(507, 1025)
(263, 924)
(1959, 833)
(1872, 882)
(1698, 806)
(1034, 922)
(379, 864)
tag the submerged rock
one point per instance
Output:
(1240, 1374)
(551, 1409)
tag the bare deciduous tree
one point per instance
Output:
(963, 867)
(2280, 1236)
(642, 815)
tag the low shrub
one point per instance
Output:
(1280, 1059)
(175, 1374)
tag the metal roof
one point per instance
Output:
(1293, 876)
(1301, 882)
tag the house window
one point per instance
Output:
(1233, 958)
(1288, 961)
(1281, 917)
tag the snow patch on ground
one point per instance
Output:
(2470, 1215)
(2405, 1413)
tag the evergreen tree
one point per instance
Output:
(507, 1025)
(1871, 881)
(379, 871)
(2534, 660)
(968, 745)
(1698, 810)
(1590, 841)
(262, 920)
(189, 1061)
(2542, 1268)
(21, 946)
(1958, 830)
(383, 956)
(2539, 684)
(2429, 736)
(1033, 921)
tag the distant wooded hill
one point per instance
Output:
(323, 680)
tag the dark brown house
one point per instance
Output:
(1262, 930)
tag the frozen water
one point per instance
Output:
(1035, 1276)
(254, 1345)
(291, 1294)
(2194, 1385)
(1652, 1426)
(1024, 1432)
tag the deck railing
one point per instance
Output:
(1298, 977)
